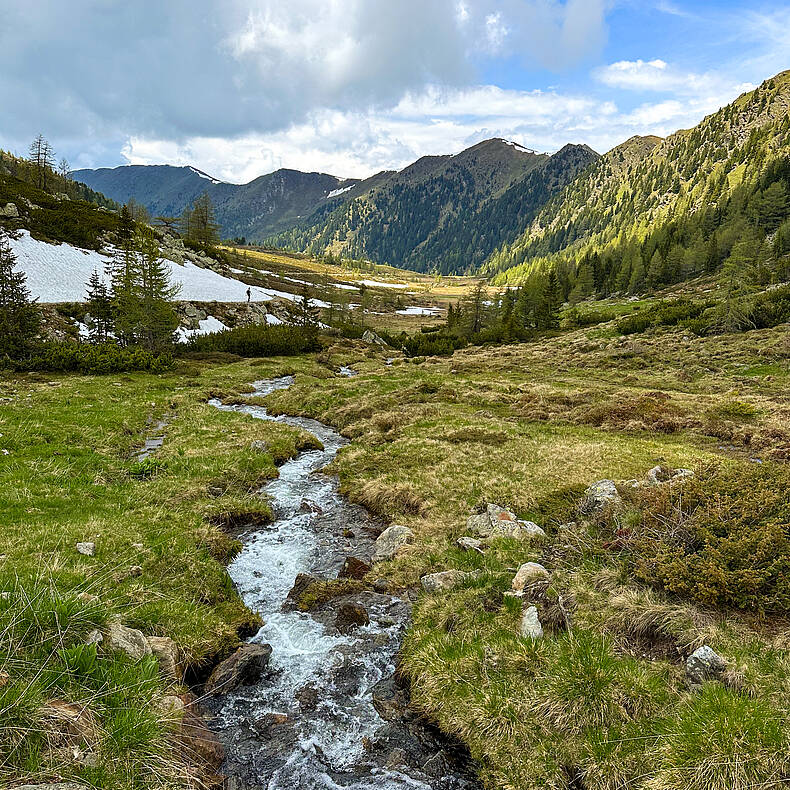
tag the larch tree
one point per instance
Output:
(42, 158)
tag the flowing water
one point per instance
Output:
(311, 722)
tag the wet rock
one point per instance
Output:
(129, 640)
(468, 543)
(350, 616)
(265, 725)
(705, 663)
(87, 548)
(528, 574)
(353, 568)
(244, 667)
(391, 541)
(598, 496)
(302, 583)
(381, 585)
(307, 697)
(68, 724)
(530, 626)
(437, 766)
(390, 699)
(166, 652)
(397, 757)
(444, 580)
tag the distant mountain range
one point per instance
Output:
(441, 212)
(677, 205)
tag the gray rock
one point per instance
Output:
(94, 637)
(389, 543)
(129, 640)
(470, 544)
(444, 580)
(530, 626)
(479, 524)
(9, 211)
(244, 667)
(528, 574)
(598, 496)
(259, 446)
(166, 652)
(497, 522)
(87, 548)
(705, 663)
(372, 337)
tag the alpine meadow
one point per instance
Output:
(467, 468)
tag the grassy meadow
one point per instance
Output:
(601, 701)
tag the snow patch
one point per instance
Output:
(346, 287)
(518, 147)
(204, 175)
(415, 310)
(336, 192)
(60, 273)
(378, 284)
(206, 326)
(273, 320)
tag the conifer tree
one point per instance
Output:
(20, 317)
(43, 160)
(100, 308)
(156, 292)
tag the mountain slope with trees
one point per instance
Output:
(654, 212)
(443, 213)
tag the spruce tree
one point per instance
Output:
(20, 318)
(99, 302)
(156, 292)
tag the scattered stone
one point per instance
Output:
(530, 626)
(9, 211)
(172, 707)
(468, 543)
(87, 548)
(353, 568)
(389, 543)
(705, 663)
(259, 446)
(497, 522)
(479, 524)
(530, 530)
(135, 571)
(166, 652)
(381, 585)
(444, 580)
(68, 724)
(129, 640)
(528, 574)
(137, 546)
(350, 616)
(244, 667)
(598, 496)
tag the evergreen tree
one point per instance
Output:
(474, 308)
(100, 308)
(199, 224)
(156, 292)
(20, 318)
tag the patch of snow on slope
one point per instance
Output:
(336, 192)
(207, 325)
(204, 175)
(346, 286)
(273, 319)
(420, 311)
(518, 147)
(377, 284)
(60, 273)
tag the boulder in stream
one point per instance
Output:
(353, 568)
(243, 668)
(350, 616)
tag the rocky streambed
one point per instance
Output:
(327, 711)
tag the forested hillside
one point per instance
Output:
(443, 213)
(653, 212)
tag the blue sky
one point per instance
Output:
(242, 87)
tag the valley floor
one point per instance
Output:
(601, 701)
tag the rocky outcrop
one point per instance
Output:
(371, 337)
(704, 664)
(244, 667)
(9, 211)
(391, 541)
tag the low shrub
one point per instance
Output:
(664, 313)
(93, 358)
(432, 345)
(771, 308)
(722, 539)
(257, 341)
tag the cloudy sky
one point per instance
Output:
(243, 87)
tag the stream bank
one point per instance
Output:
(329, 711)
